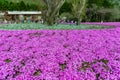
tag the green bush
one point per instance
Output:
(18, 6)
(36, 26)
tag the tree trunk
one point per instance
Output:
(50, 21)
(78, 9)
(79, 21)
(52, 12)
(81, 11)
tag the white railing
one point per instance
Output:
(23, 12)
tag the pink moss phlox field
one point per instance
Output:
(60, 54)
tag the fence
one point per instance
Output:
(20, 17)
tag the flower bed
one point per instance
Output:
(60, 54)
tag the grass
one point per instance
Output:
(36, 26)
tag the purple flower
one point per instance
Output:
(60, 54)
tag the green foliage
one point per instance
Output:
(7, 60)
(94, 10)
(102, 10)
(67, 15)
(36, 26)
(37, 73)
(67, 7)
(100, 3)
(63, 66)
(18, 6)
(99, 10)
(22, 6)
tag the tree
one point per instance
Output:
(51, 12)
(98, 10)
(22, 5)
(67, 7)
(78, 9)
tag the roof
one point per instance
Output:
(24, 12)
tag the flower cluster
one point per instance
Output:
(60, 54)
